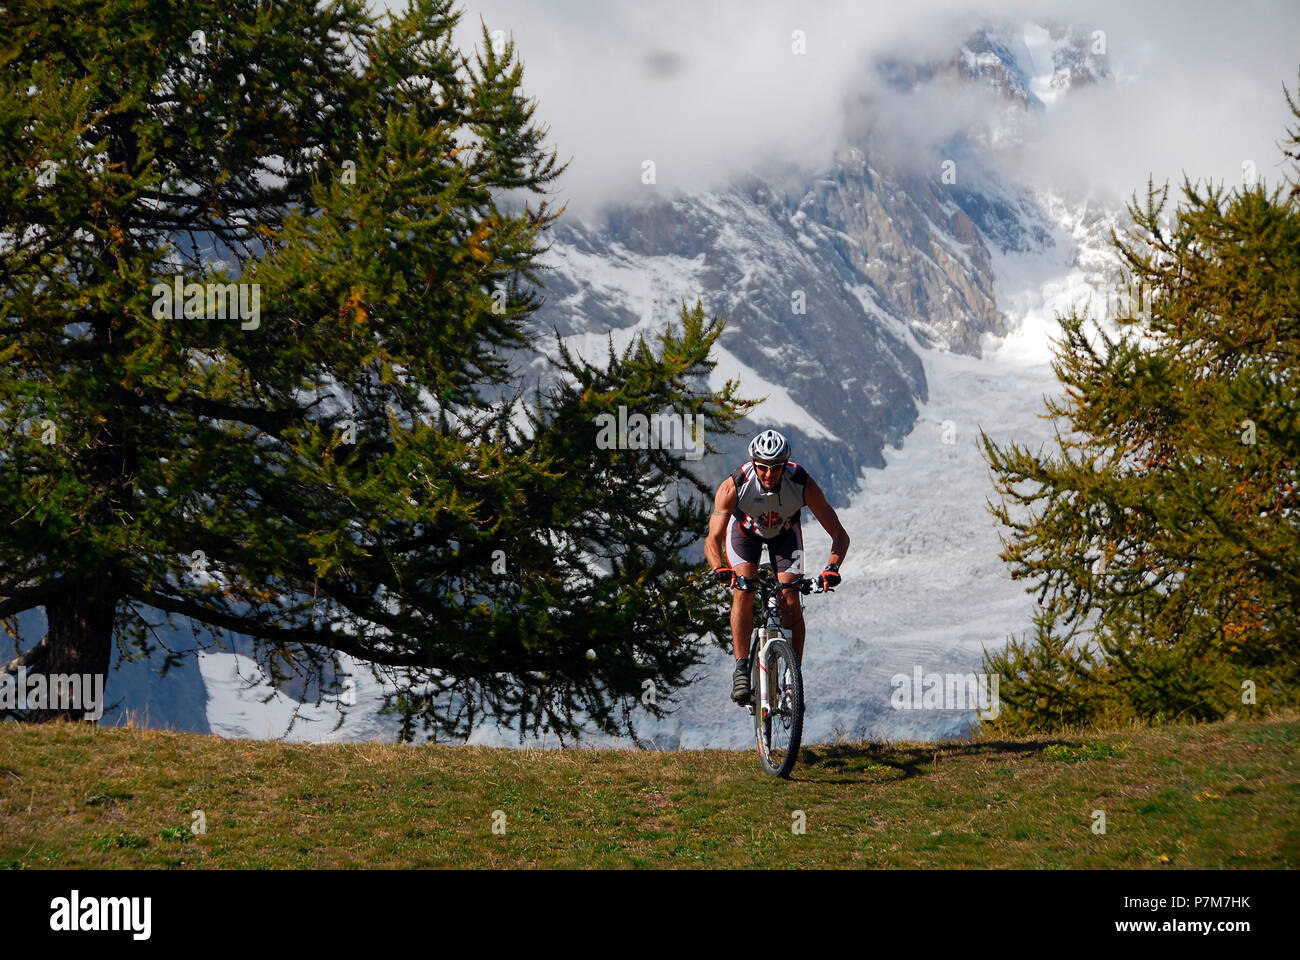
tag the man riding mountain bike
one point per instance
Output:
(762, 503)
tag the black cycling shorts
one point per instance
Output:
(785, 549)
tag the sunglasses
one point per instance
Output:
(768, 467)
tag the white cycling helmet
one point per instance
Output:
(769, 445)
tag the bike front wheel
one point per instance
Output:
(779, 729)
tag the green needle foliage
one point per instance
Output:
(1163, 537)
(350, 469)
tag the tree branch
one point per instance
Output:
(36, 655)
(25, 599)
(251, 628)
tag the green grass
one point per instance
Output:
(1082, 751)
(1209, 796)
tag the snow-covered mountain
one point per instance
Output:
(889, 307)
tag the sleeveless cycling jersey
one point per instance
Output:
(764, 513)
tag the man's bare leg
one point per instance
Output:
(792, 613)
(742, 612)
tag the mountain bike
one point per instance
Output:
(776, 683)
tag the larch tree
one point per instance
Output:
(265, 270)
(1162, 535)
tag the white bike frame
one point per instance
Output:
(759, 641)
(762, 639)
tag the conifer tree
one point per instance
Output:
(263, 268)
(1163, 535)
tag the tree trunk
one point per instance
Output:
(79, 641)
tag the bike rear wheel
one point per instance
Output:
(778, 734)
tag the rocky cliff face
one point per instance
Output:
(818, 281)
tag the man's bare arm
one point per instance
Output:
(724, 504)
(825, 515)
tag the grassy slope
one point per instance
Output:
(1220, 795)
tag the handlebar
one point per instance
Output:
(804, 585)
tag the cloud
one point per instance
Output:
(710, 90)
(1198, 91)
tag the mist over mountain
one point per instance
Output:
(818, 278)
